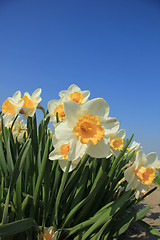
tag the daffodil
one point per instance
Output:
(49, 233)
(60, 153)
(88, 127)
(13, 105)
(135, 146)
(74, 93)
(8, 119)
(54, 107)
(117, 141)
(19, 129)
(31, 102)
(142, 172)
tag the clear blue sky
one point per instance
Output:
(111, 48)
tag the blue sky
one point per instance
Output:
(111, 48)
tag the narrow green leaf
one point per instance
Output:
(64, 178)
(3, 162)
(5, 211)
(9, 157)
(40, 176)
(19, 163)
(16, 227)
(149, 228)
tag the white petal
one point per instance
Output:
(62, 131)
(121, 134)
(37, 93)
(151, 159)
(98, 107)
(28, 95)
(101, 149)
(28, 112)
(17, 95)
(77, 149)
(142, 187)
(63, 165)
(141, 158)
(63, 93)
(129, 174)
(55, 154)
(86, 95)
(133, 183)
(72, 111)
(52, 105)
(110, 125)
(74, 88)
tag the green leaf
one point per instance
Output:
(19, 163)
(9, 157)
(149, 228)
(10, 229)
(3, 162)
(5, 211)
(63, 181)
(40, 177)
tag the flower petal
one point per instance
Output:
(37, 93)
(152, 158)
(101, 149)
(98, 107)
(141, 158)
(74, 88)
(17, 95)
(55, 154)
(62, 131)
(86, 95)
(63, 165)
(77, 149)
(110, 125)
(72, 111)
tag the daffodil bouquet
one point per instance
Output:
(78, 180)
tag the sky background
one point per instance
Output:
(111, 48)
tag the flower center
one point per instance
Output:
(28, 103)
(77, 97)
(146, 174)
(8, 107)
(64, 150)
(117, 143)
(88, 128)
(60, 110)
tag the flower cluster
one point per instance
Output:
(82, 126)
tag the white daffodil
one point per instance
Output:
(88, 127)
(117, 141)
(135, 146)
(31, 103)
(19, 129)
(56, 106)
(49, 233)
(8, 119)
(60, 153)
(13, 105)
(142, 172)
(74, 93)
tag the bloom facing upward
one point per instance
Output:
(31, 103)
(87, 127)
(75, 94)
(142, 173)
(13, 104)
